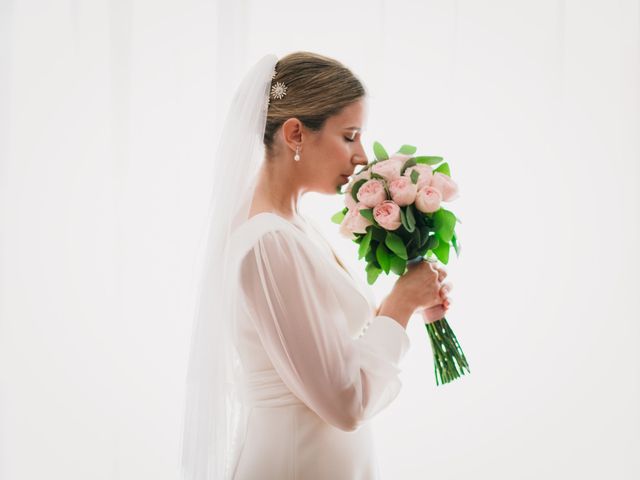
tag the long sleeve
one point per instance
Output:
(289, 296)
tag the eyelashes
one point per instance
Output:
(348, 139)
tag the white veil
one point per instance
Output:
(214, 418)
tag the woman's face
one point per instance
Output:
(335, 151)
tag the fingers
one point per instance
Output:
(445, 288)
(434, 267)
(442, 273)
(436, 312)
(444, 294)
(433, 314)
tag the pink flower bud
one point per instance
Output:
(445, 184)
(354, 222)
(403, 191)
(428, 199)
(371, 193)
(387, 214)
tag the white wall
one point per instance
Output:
(108, 120)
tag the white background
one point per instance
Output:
(109, 112)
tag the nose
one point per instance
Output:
(360, 158)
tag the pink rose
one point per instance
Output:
(428, 199)
(445, 185)
(366, 174)
(387, 214)
(363, 174)
(349, 201)
(345, 230)
(425, 172)
(354, 222)
(400, 156)
(371, 193)
(403, 191)
(390, 168)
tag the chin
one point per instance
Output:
(330, 189)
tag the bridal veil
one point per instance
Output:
(214, 416)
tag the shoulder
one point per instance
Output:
(263, 230)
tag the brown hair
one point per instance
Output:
(318, 87)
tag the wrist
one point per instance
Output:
(397, 309)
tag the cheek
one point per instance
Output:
(341, 151)
(334, 157)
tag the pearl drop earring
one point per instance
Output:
(297, 155)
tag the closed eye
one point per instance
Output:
(348, 139)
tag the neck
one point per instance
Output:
(276, 189)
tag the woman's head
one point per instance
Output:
(322, 113)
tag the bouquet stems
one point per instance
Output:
(449, 361)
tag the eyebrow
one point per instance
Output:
(355, 130)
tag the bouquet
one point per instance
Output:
(393, 211)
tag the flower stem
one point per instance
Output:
(448, 358)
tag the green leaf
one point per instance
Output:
(370, 257)
(454, 242)
(382, 255)
(408, 244)
(411, 219)
(339, 216)
(444, 222)
(409, 163)
(364, 245)
(407, 150)
(403, 219)
(396, 245)
(372, 273)
(368, 214)
(379, 151)
(407, 219)
(424, 235)
(356, 187)
(414, 176)
(442, 251)
(417, 237)
(428, 160)
(386, 190)
(432, 242)
(444, 168)
(379, 234)
(398, 265)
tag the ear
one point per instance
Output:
(292, 130)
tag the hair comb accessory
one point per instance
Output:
(279, 90)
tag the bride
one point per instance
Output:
(290, 357)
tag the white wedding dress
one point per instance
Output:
(318, 363)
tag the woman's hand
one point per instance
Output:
(419, 288)
(436, 312)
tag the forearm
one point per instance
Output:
(397, 309)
